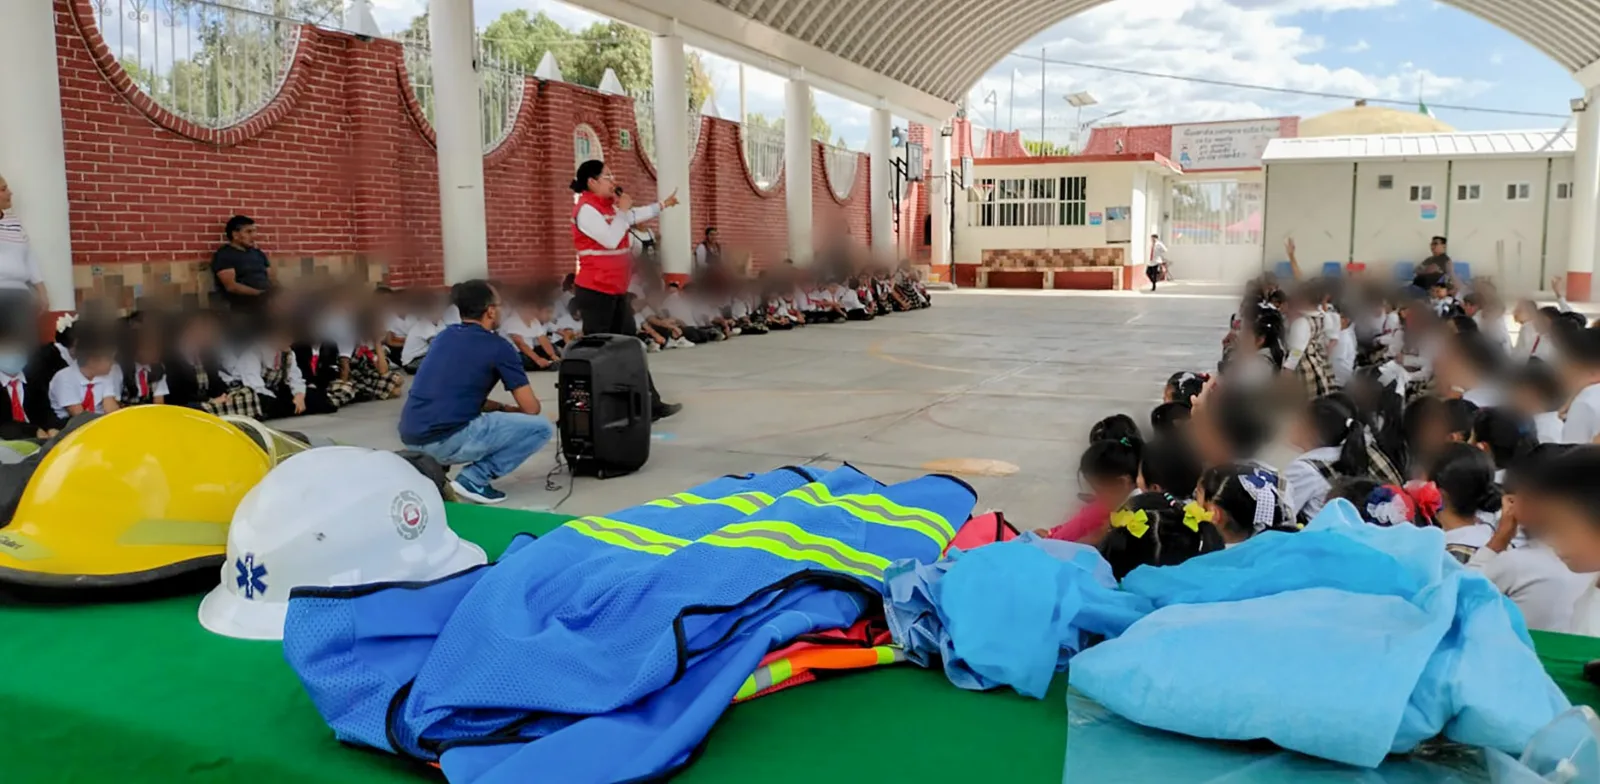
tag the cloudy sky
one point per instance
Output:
(1375, 48)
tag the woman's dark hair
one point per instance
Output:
(1111, 459)
(1185, 386)
(1459, 415)
(1509, 434)
(1161, 540)
(1224, 486)
(1524, 472)
(1384, 411)
(1543, 380)
(1336, 422)
(1465, 477)
(1164, 418)
(587, 171)
(1268, 325)
(1170, 465)
(1114, 428)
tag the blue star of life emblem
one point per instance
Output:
(249, 574)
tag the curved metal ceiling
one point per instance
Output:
(942, 47)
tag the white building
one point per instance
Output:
(1502, 198)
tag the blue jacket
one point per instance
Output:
(631, 631)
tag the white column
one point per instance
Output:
(672, 151)
(939, 200)
(797, 168)
(458, 131)
(33, 157)
(1585, 198)
(882, 179)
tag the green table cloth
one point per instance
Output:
(140, 693)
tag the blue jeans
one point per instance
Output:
(492, 445)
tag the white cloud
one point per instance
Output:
(1358, 46)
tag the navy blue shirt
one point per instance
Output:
(455, 379)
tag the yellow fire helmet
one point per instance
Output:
(136, 496)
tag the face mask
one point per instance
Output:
(12, 362)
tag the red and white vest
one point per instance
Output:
(602, 269)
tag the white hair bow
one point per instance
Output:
(1262, 485)
(65, 321)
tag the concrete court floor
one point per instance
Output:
(1016, 377)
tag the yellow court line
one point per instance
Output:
(876, 352)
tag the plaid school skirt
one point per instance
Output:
(368, 384)
(240, 401)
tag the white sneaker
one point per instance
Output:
(683, 343)
(650, 347)
(738, 331)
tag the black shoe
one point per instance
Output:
(665, 410)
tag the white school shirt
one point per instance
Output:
(339, 328)
(157, 388)
(705, 313)
(515, 327)
(563, 323)
(70, 387)
(418, 339)
(399, 325)
(19, 267)
(1443, 305)
(564, 303)
(1548, 426)
(256, 360)
(1583, 417)
(738, 309)
(1158, 252)
(1295, 345)
(1476, 535)
(639, 317)
(1342, 355)
(1307, 490)
(1495, 329)
(1534, 577)
(452, 315)
(1483, 396)
(1331, 324)
(676, 306)
(1586, 613)
(850, 301)
(801, 300)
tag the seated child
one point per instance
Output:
(56, 356)
(1151, 529)
(270, 367)
(910, 287)
(824, 307)
(862, 284)
(1333, 443)
(1169, 465)
(777, 313)
(393, 308)
(366, 365)
(1535, 390)
(567, 327)
(1182, 387)
(676, 331)
(1468, 365)
(1169, 419)
(1258, 354)
(323, 365)
(1443, 302)
(525, 328)
(1469, 498)
(848, 300)
(1519, 561)
(1565, 500)
(1431, 425)
(1240, 500)
(748, 317)
(91, 384)
(143, 369)
(889, 298)
(1580, 374)
(653, 339)
(1342, 349)
(1110, 470)
(420, 332)
(25, 412)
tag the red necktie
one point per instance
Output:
(88, 396)
(18, 414)
(144, 382)
(1535, 348)
(314, 359)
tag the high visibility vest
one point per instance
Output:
(632, 630)
(603, 269)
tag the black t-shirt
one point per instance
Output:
(1432, 270)
(249, 267)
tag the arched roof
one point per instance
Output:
(931, 52)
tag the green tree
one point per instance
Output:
(1045, 148)
(820, 129)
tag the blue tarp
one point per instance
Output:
(1344, 641)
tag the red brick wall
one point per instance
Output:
(342, 163)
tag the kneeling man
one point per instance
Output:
(448, 414)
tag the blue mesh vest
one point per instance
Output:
(630, 631)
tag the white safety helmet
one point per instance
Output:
(337, 515)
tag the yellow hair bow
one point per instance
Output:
(1137, 523)
(1194, 514)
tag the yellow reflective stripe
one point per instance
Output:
(793, 543)
(628, 535)
(881, 511)
(747, 502)
(782, 670)
(747, 689)
(886, 654)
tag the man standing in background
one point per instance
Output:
(1157, 267)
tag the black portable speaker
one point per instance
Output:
(604, 396)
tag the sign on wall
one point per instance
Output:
(1228, 145)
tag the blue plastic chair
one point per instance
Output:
(1283, 270)
(1463, 271)
(1404, 271)
(1332, 269)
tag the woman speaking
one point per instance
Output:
(22, 294)
(600, 223)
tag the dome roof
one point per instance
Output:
(1361, 120)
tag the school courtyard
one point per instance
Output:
(1000, 387)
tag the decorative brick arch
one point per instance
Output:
(519, 127)
(749, 179)
(276, 109)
